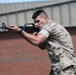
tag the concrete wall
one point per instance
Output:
(18, 57)
(60, 12)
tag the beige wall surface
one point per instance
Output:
(60, 12)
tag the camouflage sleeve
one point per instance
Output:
(46, 30)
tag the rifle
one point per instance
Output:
(28, 27)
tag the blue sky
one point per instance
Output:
(12, 1)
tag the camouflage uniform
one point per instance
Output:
(60, 49)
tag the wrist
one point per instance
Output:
(20, 31)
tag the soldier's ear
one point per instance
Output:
(46, 18)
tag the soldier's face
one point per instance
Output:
(40, 21)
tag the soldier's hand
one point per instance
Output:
(35, 33)
(14, 27)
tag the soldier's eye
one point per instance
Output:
(37, 21)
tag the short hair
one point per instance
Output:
(37, 13)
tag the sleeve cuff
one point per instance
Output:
(44, 32)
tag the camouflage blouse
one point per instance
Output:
(59, 45)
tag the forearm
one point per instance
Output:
(33, 39)
(30, 37)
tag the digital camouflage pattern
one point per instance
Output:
(60, 48)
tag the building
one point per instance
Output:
(62, 12)
(17, 56)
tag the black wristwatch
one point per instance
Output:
(20, 31)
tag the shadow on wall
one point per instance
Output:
(9, 35)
